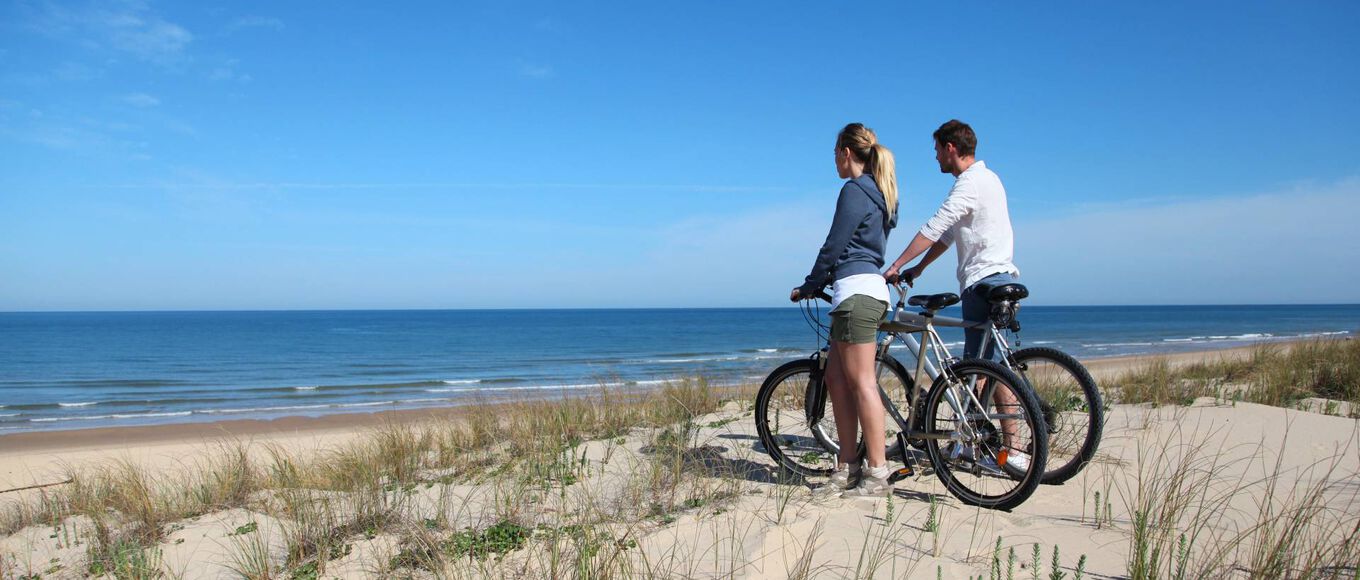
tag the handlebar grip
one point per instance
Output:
(824, 296)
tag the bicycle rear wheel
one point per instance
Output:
(997, 444)
(1071, 406)
(786, 399)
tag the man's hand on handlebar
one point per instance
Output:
(907, 276)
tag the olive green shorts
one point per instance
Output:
(855, 320)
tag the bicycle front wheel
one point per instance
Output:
(786, 407)
(1071, 405)
(995, 445)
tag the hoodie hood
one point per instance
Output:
(870, 187)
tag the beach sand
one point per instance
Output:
(765, 530)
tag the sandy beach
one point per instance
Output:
(1251, 458)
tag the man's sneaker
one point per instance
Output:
(873, 482)
(1018, 461)
(958, 451)
(842, 479)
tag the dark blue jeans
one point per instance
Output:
(976, 308)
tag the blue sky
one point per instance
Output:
(214, 155)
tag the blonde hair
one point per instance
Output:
(877, 159)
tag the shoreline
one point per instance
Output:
(295, 425)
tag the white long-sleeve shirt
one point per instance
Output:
(975, 218)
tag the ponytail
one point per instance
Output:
(884, 168)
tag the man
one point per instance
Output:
(975, 216)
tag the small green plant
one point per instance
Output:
(1056, 572)
(932, 525)
(306, 571)
(245, 529)
(996, 560)
(501, 538)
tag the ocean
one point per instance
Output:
(98, 369)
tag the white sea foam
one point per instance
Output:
(767, 350)
(261, 409)
(1109, 344)
(86, 404)
(371, 404)
(305, 388)
(551, 387)
(10, 414)
(118, 416)
(462, 382)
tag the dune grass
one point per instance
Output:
(365, 489)
(1271, 375)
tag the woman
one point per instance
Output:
(850, 261)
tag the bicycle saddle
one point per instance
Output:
(933, 302)
(1008, 292)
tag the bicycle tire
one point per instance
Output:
(794, 442)
(970, 479)
(1072, 408)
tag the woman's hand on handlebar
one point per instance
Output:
(797, 295)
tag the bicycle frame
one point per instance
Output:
(906, 325)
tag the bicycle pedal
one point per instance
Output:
(900, 474)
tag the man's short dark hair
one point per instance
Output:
(958, 133)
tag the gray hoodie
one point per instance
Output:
(858, 236)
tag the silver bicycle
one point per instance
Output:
(1069, 398)
(980, 428)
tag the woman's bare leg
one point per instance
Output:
(858, 368)
(843, 407)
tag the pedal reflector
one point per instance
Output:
(1001, 457)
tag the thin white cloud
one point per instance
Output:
(142, 100)
(1297, 245)
(536, 71)
(128, 27)
(299, 185)
(249, 22)
(227, 72)
(76, 72)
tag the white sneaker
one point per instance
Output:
(842, 479)
(873, 482)
(1018, 461)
